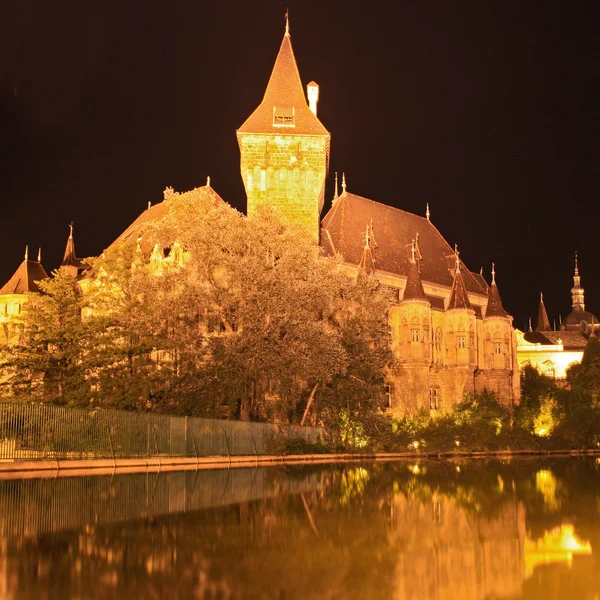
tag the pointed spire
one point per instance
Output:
(208, 176)
(494, 305)
(343, 183)
(284, 104)
(149, 203)
(577, 292)
(459, 298)
(335, 190)
(69, 258)
(414, 285)
(530, 329)
(367, 260)
(543, 322)
(39, 254)
(287, 23)
(27, 252)
(427, 213)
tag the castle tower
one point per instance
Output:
(499, 360)
(460, 323)
(410, 321)
(284, 147)
(13, 295)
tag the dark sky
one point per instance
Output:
(486, 110)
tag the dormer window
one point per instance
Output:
(284, 116)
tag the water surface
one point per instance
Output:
(404, 530)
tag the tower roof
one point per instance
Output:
(494, 305)
(284, 108)
(70, 258)
(459, 298)
(25, 278)
(543, 322)
(414, 286)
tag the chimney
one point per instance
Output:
(312, 90)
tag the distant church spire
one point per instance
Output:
(577, 292)
(343, 183)
(427, 212)
(40, 254)
(543, 322)
(287, 23)
(27, 252)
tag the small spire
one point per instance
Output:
(494, 306)
(343, 183)
(481, 271)
(576, 264)
(493, 273)
(367, 239)
(208, 179)
(27, 252)
(335, 191)
(530, 329)
(71, 230)
(543, 322)
(40, 255)
(412, 251)
(427, 213)
(149, 203)
(456, 256)
(287, 23)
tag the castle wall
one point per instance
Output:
(287, 172)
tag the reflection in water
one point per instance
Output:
(439, 530)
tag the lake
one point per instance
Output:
(461, 529)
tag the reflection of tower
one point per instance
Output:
(447, 553)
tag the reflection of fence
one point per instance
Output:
(33, 431)
(33, 507)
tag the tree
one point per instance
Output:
(49, 363)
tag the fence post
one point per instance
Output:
(227, 442)
(111, 445)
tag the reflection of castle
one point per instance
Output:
(446, 553)
(451, 334)
(550, 351)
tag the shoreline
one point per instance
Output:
(51, 468)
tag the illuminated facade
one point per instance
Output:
(451, 334)
(550, 351)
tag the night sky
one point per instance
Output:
(486, 110)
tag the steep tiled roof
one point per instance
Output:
(284, 95)
(481, 280)
(341, 232)
(494, 305)
(414, 286)
(25, 278)
(458, 297)
(139, 229)
(543, 322)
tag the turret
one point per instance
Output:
(497, 330)
(577, 292)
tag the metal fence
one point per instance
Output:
(38, 432)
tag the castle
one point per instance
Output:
(451, 334)
(550, 351)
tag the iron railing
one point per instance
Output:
(38, 432)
